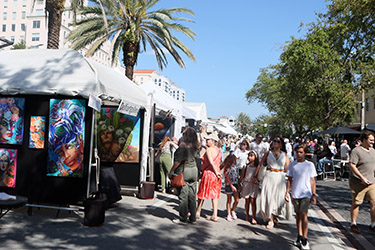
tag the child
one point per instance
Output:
(301, 177)
(248, 185)
(231, 189)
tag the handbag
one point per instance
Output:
(177, 180)
(263, 169)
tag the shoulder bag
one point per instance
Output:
(177, 180)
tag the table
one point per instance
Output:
(343, 166)
(7, 205)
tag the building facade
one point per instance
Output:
(141, 76)
(369, 111)
(26, 20)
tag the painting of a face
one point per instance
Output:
(66, 138)
(11, 120)
(8, 165)
(37, 128)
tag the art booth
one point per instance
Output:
(51, 131)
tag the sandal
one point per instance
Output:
(270, 225)
(214, 219)
(253, 222)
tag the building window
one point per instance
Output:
(40, 2)
(36, 24)
(12, 39)
(23, 14)
(22, 38)
(14, 15)
(35, 37)
(23, 27)
(14, 3)
(5, 3)
(13, 27)
(367, 104)
(4, 16)
(39, 12)
(24, 3)
(4, 28)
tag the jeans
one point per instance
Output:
(321, 164)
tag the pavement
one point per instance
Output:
(147, 224)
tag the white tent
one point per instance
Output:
(66, 72)
(200, 109)
(165, 102)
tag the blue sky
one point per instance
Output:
(235, 39)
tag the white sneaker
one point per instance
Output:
(306, 246)
(229, 218)
(234, 215)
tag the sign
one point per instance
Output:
(95, 102)
(128, 108)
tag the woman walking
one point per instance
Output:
(184, 160)
(272, 203)
(210, 185)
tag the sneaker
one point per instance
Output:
(354, 228)
(178, 221)
(229, 218)
(298, 242)
(234, 215)
(305, 244)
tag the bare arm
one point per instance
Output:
(355, 170)
(229, 182)
(261, 163)
(286, 166)
(210, 152)
(313, 189)
(288, 186)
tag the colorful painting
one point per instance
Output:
(11, 120)
(37, 128)
(162, 128)
(118, 136)
(66, 137)
(8, 167)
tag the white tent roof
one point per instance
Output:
(200, 109)
(65, 72)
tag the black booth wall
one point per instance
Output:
(31, 178)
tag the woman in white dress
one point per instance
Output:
(272, 203)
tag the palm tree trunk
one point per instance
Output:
(130, 50)
(55, 9)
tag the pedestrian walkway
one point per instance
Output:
(147, 224)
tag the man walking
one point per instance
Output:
(362, 180)
(259, 146)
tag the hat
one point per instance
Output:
(286, 140)
(212, 136)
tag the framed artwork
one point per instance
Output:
(8, 167)
(37, 132)
(12, 112)
(162, 128)
(66, 137)
(118, 136)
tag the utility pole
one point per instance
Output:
(363, 105)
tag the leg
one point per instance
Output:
(304, 221)
(214, 208)
(253, 209)
(247, 208)
(299, 223)
(162, 175)
(236, 200)
(199, 208)
(372, 211)
(183, 197)
(192, 203)
(354, 212)
(229, 202)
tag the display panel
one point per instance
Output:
(118, 136)
(66, 137)
(37, 132)
(8, 167)
(11, 120)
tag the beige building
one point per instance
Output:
(26, 20)
(369, 111)
(141, 76)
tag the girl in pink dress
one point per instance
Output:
(210, 185)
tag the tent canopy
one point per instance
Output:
(63, 72)
(340, 131)
(200, 109)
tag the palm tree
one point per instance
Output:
(55, 9)
(130, 25)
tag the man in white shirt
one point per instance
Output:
(259, 146)
(333, 148)
(289, 149)
(344, 150)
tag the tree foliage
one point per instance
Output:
(130, 26)
(20, 45)
(243, 123)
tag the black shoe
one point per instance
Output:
(305, 244)
(354, 228)
(372, 229)
(298, 242)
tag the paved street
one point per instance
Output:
(147, 224)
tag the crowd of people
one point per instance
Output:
(281, 172)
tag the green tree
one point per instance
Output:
(243, 123)
(131, 26)
(20, 45)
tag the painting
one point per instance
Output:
(66, 137)
(118, 136)
(11, 120)
(8, 167)
(162, 127)
(37, 131)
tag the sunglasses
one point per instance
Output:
(278, 141)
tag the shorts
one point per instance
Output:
(359, 191)
(228, 189)
(301, 205)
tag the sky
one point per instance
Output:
(235, 39)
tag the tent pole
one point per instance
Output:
(91, 149)
(151, 145)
